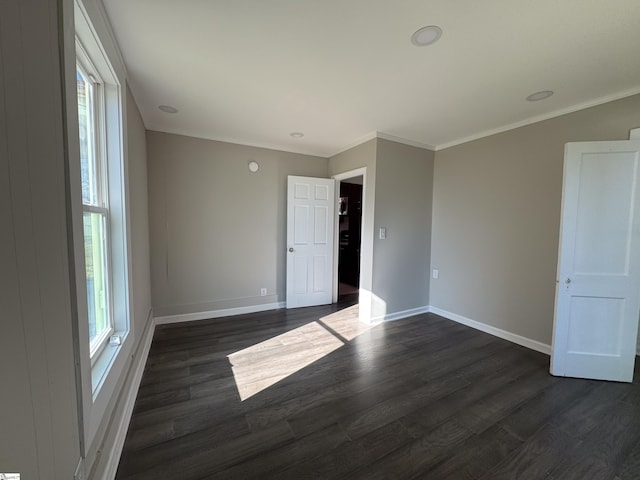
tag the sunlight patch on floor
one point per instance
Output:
(345, 323)
(260, 366)
(264, 364)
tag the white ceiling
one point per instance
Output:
(252, 71)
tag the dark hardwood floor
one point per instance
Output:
(310, 394)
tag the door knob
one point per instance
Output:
(291, 249)
(567, 281)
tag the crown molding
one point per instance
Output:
(541, 118)
(383, 136)
(266, 146)
(406, 141)
(356, 143)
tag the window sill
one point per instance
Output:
(102, 365)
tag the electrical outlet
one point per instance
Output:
(263, 292)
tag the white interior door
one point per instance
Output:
(598, 289)
(310, 206)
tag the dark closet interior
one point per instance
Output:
(350, 227)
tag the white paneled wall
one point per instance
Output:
(38, 414)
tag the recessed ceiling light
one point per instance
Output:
(297, 134)
(534, 97)
(426, 36)
(168, 109)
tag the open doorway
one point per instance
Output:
(349, 235)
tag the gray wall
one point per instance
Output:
(496, 217)
(404, 186)
(398, 195)
(218, 231)
(362, 156)
(38, 414)
(139, 207)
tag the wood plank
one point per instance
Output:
(477, 455)
(537, 457)
(368, 419)
(549, 403)
(416, 458)
(136, 460)
(290, 453)
(203, 461)
(491, 409)
(585, 414)
(341, 462)
(603, 450)
(630, 465)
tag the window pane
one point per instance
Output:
(96, 260)
(86, 121)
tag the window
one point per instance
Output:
(95, 209)
(101, 217)
(99, 214)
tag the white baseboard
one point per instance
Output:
(129, 395)
(483, 327)
(227, 312)
(390, 317)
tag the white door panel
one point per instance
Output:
(598, 290)
(309, 241)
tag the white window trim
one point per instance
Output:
(97, 347)
(99, 380)
(89, 71)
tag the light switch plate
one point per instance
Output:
(383, 233)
